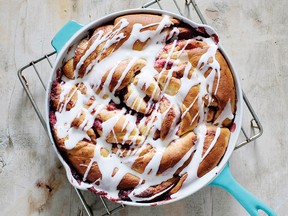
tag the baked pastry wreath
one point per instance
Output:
(143, 108)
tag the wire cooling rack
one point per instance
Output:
(251, 130)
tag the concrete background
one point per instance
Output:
(253, 32)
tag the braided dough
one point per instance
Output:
(143, 108)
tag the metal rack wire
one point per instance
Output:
(255, 124)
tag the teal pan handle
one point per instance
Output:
(64, 34)
(251, 203)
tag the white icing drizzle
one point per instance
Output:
(173, 34)
(212, 143)
(132, 99)
(77, 135)
(88, 169)
(92, 81)
(105, 88)
(211, 53)
(100, 38)
(190, 106)
(124, 73)
(225, 114)
(192, 168)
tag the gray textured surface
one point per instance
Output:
(253, 32)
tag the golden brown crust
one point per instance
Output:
(153, 91)
(178, 186)
(171, 117)
(217, 152)
(153, 190)
(176, 150)
(170, 86)
(120, 129)
(143, 19)
(226, 89)
(105, 30)
(68, 69)
(144, 158)
(117, 75)
(190, 119)
(129, 181)
(137, 103)
(80, 51)
(80, 157)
